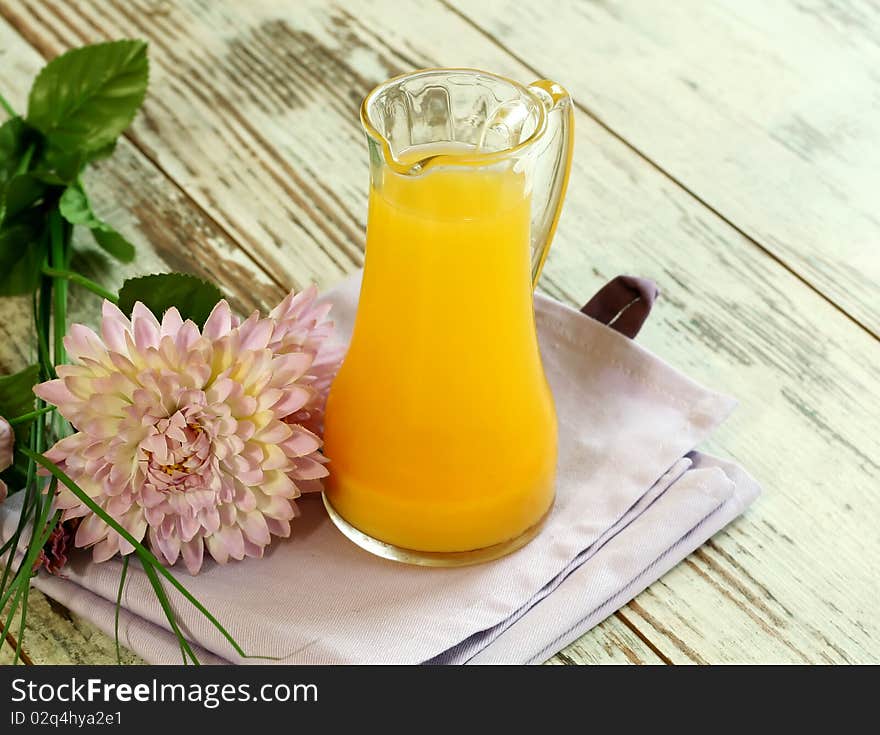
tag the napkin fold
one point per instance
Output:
(633, 499)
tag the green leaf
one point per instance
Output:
(193, 297)
(61, 167)
(17, 392)
(103, 152)
(18, 188)
(58, 166)
(114, 243)
(21, 192)
(13, 143)
(23, 249)
(75, 208)
(48, 176)
(84, 99)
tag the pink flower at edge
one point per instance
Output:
(7, 441)
(195, 440)
(55, 553)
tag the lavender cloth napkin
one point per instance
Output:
(633, 499)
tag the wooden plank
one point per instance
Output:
(806, 374)
(768, 112)
(610, 642)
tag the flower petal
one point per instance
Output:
(56, 393)
(90, 531)
(279, 484)
(254, 527)
(306, 468)
(114, 327)
(144, 326)
(219, 323)
(193, 552)
(171, 322)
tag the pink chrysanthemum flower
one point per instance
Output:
(197, 440)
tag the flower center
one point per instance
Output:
(170, 469)
(177, 454)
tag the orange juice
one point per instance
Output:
(440, 426)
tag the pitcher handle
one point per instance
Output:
(559, 110)
(623, 304)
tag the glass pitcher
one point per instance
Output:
(440, 427)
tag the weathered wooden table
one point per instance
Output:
(729, 150)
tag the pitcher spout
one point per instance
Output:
(482, 116)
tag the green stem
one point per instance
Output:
(42, 317)
(164, 602)
(146, 556)
(58, 259)
(30, 506)
(23, 574)
(6, 106)
(26, 591)
(81, 280)
(25, 417)
(122, 576)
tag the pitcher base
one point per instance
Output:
(431, 558)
